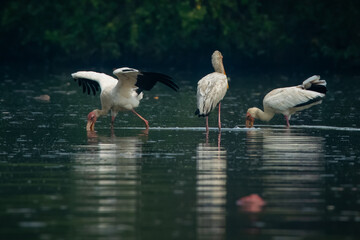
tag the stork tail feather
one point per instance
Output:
(318, 88)
(315, 84)
(197, 112)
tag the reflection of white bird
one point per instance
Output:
(289, 100)
(211, 89)
(119, 94)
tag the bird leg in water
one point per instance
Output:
(287, 121)
(207, 123)
(207, 137)
(219, 117)
(112, 122)
(145, 121)
(219, 141)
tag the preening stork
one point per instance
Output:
(289, 100)
(119, 94)
(211, 89)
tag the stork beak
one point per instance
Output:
(249, 123)
(90, 126)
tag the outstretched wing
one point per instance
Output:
(93, 81)
(130, 78)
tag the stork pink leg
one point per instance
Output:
(219, 120)
(219, 141)
(287, 121)
(145, 121)
(207, 123)
(112, 121)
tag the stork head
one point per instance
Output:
(217, 62)
(120, 71)
(250, 117)
(92, 117)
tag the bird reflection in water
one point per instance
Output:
(288, 165)
(219, 139)
(106, 176)
(93, 136)
(211, 190)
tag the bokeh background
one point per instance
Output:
(252, 35)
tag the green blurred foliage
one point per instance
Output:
(178, 31)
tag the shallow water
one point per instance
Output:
(174, 182)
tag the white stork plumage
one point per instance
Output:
(211, 89)
(289, 100)
(119, 94)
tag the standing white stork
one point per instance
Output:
(211, 89)
(119, 94)
(289, 100)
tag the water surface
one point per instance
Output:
(175, 182)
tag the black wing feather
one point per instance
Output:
(147, 80)
(84, 86)
(139, 90)
(93, 89)
(318, 88)
(88, 85)
(310, 101)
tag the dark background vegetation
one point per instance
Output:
(251, 34)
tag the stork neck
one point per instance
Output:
(218, 65)
(99, 112)
(264, 115)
